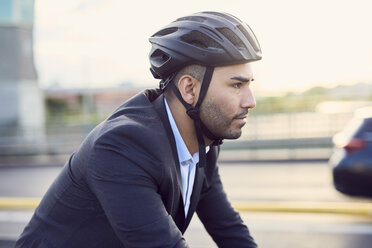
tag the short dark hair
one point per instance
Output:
(196, 71)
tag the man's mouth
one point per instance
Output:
(242, 115)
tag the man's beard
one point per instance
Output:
(218, 122)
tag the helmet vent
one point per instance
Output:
(165, 31)
(249, 37)
(232, 37)
(158, 58)
(200, 40)
(191, 18)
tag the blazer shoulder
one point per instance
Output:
(134, 125)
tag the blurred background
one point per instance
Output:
(66, 65)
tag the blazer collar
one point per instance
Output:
(159, 106)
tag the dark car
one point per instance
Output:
(352, 158)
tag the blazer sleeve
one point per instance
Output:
(219, 218)
(125, 180)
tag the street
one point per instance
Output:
(244, 182)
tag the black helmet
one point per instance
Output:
(205, 38)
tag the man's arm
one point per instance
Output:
(125, 180)
(221, 221)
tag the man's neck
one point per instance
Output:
(185, 125)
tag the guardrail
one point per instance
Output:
(283, 135)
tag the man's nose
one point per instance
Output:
(248, 100)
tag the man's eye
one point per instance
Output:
(237, 85)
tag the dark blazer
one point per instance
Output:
(122, 188)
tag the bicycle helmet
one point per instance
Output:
(205, 38)
(209, 39)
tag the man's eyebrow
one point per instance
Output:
(242, 79)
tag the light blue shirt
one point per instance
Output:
(187, 162)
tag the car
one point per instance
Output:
(351, 160)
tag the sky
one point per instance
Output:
(102, 43)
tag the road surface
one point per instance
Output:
(247, 182)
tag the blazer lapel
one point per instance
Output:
(198, 183)
(201, 181)
(161, 110)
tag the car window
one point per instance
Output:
(367, 129)
(351, 128)
(367, 125)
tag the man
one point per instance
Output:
(139, 176)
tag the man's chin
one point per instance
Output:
(234, 135)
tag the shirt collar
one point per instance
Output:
(184, 155)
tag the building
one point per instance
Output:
(21, 100)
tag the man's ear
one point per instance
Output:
(189, 89)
